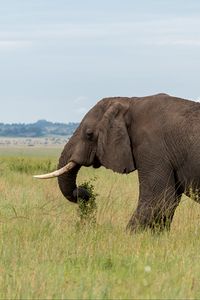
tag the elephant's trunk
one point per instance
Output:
(67, 183)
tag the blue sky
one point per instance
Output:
(58, 58)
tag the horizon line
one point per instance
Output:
(38, 121)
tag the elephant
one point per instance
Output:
(157, 135)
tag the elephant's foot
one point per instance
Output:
(156, 225)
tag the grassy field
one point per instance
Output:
(47, 253)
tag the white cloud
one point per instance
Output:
(14, 44)
(151, 30)
(80, 99)
(176, 41)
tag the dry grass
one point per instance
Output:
(44, 254)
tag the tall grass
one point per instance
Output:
(44, 254)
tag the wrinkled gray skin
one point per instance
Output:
(157, 135)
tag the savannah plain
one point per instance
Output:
(47, 252)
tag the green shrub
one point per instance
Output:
(87, 210)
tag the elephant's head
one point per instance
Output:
(102, 139)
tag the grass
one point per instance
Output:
(44, 254)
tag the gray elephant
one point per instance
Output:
(158, 135)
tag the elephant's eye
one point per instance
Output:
(89, 134)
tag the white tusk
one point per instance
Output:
(57, 173)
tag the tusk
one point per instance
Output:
(57, 173)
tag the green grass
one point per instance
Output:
(45, 254)
(30, 152)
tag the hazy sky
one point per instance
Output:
(58, 58)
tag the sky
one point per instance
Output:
(58, 58)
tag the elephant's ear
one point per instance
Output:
(114, 145)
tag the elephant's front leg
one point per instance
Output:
(159, 197)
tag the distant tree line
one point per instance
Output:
(39, 129)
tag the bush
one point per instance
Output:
(87, 210)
